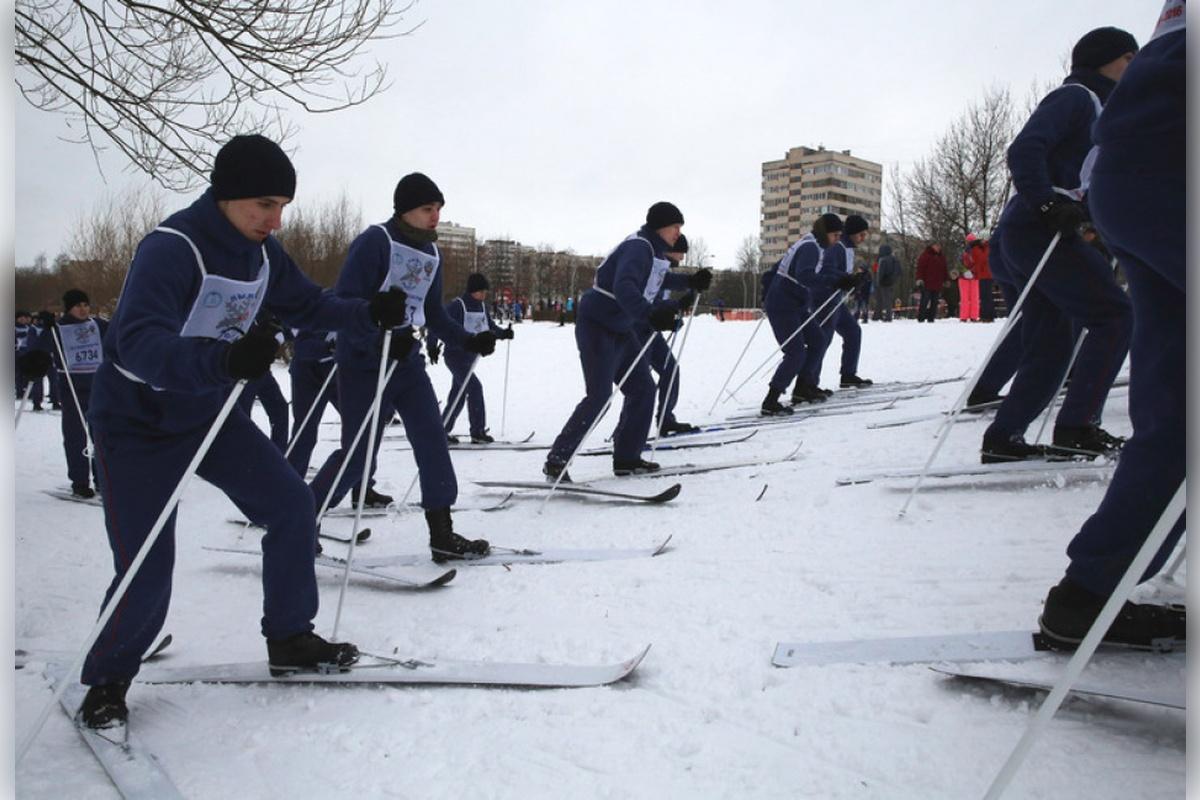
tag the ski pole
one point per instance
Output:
(316, 401)
(119, 593)
(445, 416)
(607, 404)
(1091, 641)
(504, 400)
(960, 403)
(365, 482)
(1170, 573)
(362, 428)
(674, 372)
(87, 436)
(729, 377)
(24, 400)
(1054, 400)
(785, 342)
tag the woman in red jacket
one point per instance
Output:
(931, 278)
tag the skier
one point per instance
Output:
(1076, 286)
(401, 253)
(29, 368)
(624, 296)
(79, 334)
(835, 273)
(470, 312)
(662, 362)
(175, 347)
(788, 303)
(1142, 144)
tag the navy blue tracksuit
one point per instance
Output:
(608, 332)
(1137, 200)
(157, 394)
(836, 262)
(312, 360)
(788, 303)
(266, 390)
(464, 310)
(80, 341)
(1076, 286)
(378, 255)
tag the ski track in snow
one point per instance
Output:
(706, 715)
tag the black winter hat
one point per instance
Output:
(662, 215)
(855, 224)
(252, 166)
(827, 223)
(1101, 46)
(477, 282)
(73, 297)
(415, 190)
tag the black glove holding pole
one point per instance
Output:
(387, 309)
(252, 355)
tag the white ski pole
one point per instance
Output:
(607, 404)
(445, 416)
(1176, 563)
(1090, 642)
(948, 423)
(1054, 400)
(504, 400)
(136, 564)
(316, 402)
(362, 428)
(24, 400)
(87, 436)
(729, 377)
(674, 372)
(363, 484)
(785, 342)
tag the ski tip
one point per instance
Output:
(363, 535)
(662, 548)
(633, 663)
(443, 579)
(760, 494)
(669, 494)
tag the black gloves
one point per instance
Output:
(700, 280)
(483, 344)
(250, 356)
(402, 343)
(1061, 214)
(35, 363)
(845, 282)
(435, 352)
(505, 333)
(662, 318)
(387, 308)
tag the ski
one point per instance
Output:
(968, 414)
(1043, 676)
(1029, 466)
(500, 444)
(583, 490)
(359, 538)
(26, 657)
(134, 771)
(410, 672)
(697, 469)
(416, 581)
(473, 504)
(680, 441)
(505, 556)
(68, 495)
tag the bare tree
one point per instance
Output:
(319, 238)
(167, 82)
(697, 253)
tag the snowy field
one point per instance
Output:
(706, 715)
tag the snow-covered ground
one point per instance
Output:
(706, 714)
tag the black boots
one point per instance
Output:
(636, 467)
(855, 382)
(998, 450)
(675, 426)
(83, 490)
(1070, 611)
(104, 706)
(376, 500)
(552, 470)
(771, 407)
(307, 651)
(445, 544)
(481, 438)
(1088, 440)
(807, 393)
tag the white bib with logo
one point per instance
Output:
(81, 347)
(473, 321)
(412, 271)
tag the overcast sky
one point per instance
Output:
(560, 123)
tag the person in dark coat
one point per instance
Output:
(932, 278)
(886, 279)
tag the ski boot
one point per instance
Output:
(552, 470)
(638, 466)
(807, 393)
(308, 652)
(376, 500)
(1087, 441)
(104, 705)
(771, 407)
(998, 450)
(451, 439)
(82, 490)
(446, 545)
(855, 382)
(481, 438)
(674, 427)
(1070, 611)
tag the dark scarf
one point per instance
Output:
(1093, 80)
(415, 234)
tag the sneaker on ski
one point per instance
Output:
(807, 393)
(552, 470)
(639, 466)
(1000, 450)
(104, 705)
(308, 651)
(771, 407)
(375, 499)
(1087, 440)
(676, 427)
(854, 382)
(1071, 610)
(83, 490)
(446, 545)
(481, 438)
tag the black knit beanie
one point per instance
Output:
(73, 297)
(477, 282)
(252, 166)
(827, 223)
(1101, 46)
(662, 215)
(855, 224)
(415, 190)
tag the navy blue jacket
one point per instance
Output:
(624, 274)
(367, 264)
(834, 261)
(46, 342)
(159, 291)
(313, 346)
(784, 294)
(455, 310)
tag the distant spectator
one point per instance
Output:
(860, 295)
(886, 278)
(931, 280)
(975, 261)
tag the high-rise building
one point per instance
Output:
(806, 183)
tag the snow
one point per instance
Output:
(706, 714)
